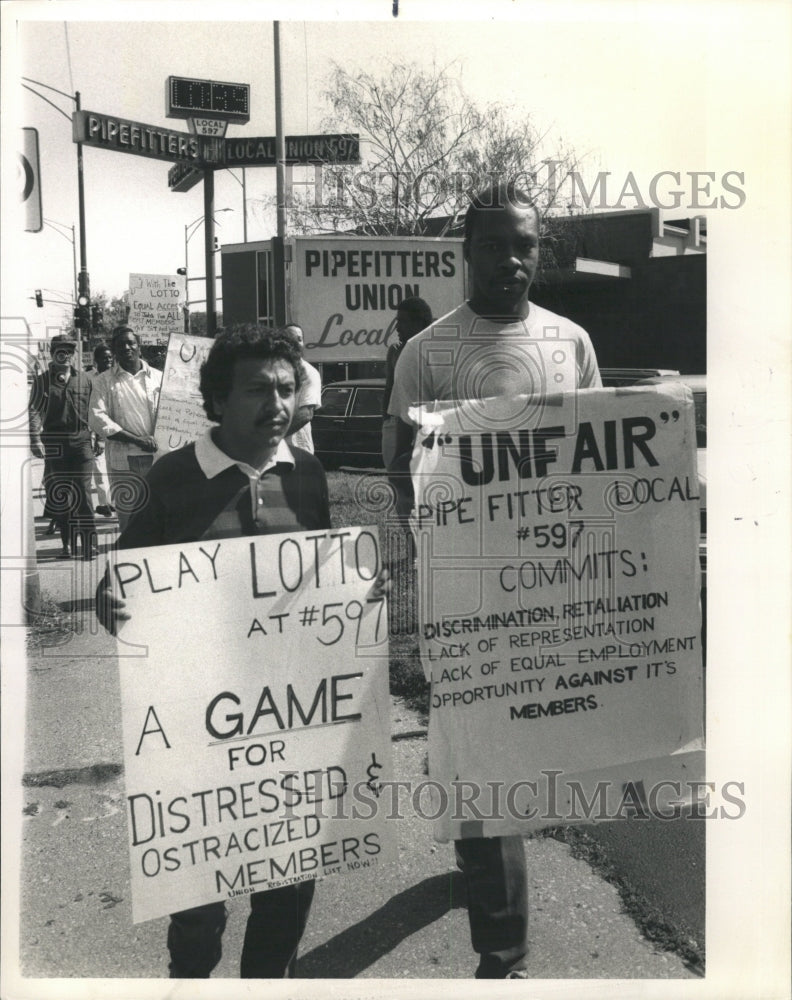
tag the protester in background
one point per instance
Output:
(59, 433)
(308, 398)
(103, 358)
(123, 413)
(412, 316)
(489, 346)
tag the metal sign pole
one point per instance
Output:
(83, 283)
(278, 257)
(209, 229)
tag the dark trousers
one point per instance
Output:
(274, 928)
(497, 895)
(67, 487)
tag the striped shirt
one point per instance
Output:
(198, 492)
(264, 497)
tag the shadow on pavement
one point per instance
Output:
(351, 952)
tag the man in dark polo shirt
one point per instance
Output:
(240, 478)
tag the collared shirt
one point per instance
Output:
(213, 460)
(124, 402)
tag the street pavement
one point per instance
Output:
(404, 920)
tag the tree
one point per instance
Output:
(426, 147)
(114, 312)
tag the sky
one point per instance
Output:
(636, 88)
(135, 224)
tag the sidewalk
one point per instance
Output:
(402, 921)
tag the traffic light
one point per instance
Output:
(97, 317)
(39, 299)
(82, 313)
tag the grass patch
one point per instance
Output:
(50, 625)
(364, 498)
(649, 920)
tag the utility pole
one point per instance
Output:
(209, 232)
(278, 244)
(82, 289)
(83, 281)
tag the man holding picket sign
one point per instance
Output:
(495, 344)
(241, 478)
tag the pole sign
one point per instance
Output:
(185, 97)
(182, 177)
(345, 291)
(259, 151)
(124, 136)
(208, 126)
(29, 180)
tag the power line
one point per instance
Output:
(48, 101)
(38, 83)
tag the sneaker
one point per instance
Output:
(105, 510)
(518, 974)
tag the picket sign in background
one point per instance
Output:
(181, 417)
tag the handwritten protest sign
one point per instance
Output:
(559, 588)
(155, 306)
(181, 417)
(254, 685)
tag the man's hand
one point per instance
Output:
(37, 449)
(381, 587)
(109, 608)
(147, 443)
(98, 448)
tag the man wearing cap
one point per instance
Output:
(123, 412)
(59, 433)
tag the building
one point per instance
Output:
(637, 284)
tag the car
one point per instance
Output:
(347, 427)
(632, 376)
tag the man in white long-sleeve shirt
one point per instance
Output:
(123, 411)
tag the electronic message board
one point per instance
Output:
(186, 97)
